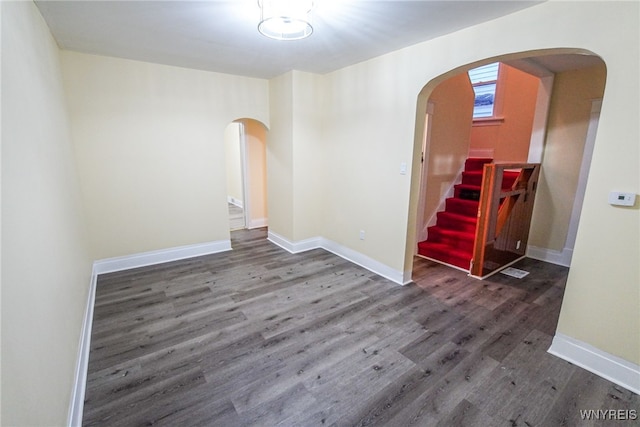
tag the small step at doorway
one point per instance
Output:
(236, 217)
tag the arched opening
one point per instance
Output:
(246, 171)
(559, 140)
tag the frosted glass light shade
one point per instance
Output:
(285, 19)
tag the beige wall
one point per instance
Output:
(509, 138)
(369, 123)
(308, 160)
(233, 161)
(149, 141)
(294, 156)
(46, 266)
(569, 113)
(449, 138)
(280, 156)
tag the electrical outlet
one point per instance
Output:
(361, 234)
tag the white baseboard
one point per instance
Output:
(258, 223)
(109, 265)
(294, 247)
(407, 277)
(355, 257)
(144, 259)
(603, 364)
(549, 255)
(76, 406)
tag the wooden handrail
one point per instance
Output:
(504, 216)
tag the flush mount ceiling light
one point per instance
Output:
(285, 19)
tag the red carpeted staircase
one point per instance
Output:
(451, 240)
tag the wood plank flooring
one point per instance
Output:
(260, 337)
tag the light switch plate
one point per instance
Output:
(403, 168)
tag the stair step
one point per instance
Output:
(467, 191)
(456, 239)
(455, 221)
(452, 239)
(445, 253)
(472, 177)
(462, 207)
(476, 163)
(475, 178)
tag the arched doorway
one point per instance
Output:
(556, 214)
(245, 160)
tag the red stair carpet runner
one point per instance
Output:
(451, 240)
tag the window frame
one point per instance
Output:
(497, 116)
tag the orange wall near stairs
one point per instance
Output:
(516, 101)
(449, 137)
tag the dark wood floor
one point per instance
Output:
(261, 337)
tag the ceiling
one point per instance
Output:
(222, 35)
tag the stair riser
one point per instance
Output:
(451, 259)
(475, 164)
(467, 194)
(445, 221)
(472, 178)
(462, 246)
(475, 178)
(462, 207)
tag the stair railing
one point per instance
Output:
(504, 216)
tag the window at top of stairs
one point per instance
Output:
(484, 80)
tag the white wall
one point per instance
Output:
(150, 145)
(46, 266)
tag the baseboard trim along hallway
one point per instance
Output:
(601, 363)
(355, 257)
(111, 265)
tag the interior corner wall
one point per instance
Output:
(308, 156)
(280, 157)
(294, 156)
(568, 121)
(510, 137)
(46, 267)
(149, 140)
